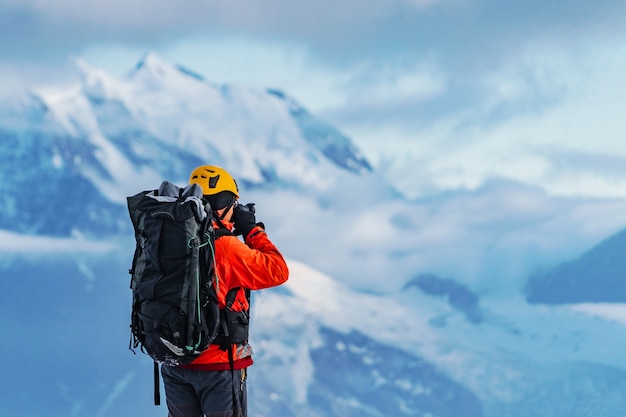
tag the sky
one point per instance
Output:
(439, 94)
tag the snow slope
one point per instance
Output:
(516, 362)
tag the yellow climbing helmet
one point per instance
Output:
(213, 180)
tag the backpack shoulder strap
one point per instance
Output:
(222, 231)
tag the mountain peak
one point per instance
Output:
(152, 63)
(151, 67)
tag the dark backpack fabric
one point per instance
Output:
(175, 315)
(234, 325)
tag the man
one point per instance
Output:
(214, 384)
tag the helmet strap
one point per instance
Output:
(226, 209)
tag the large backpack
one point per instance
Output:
(175, 315)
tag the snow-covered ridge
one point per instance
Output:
(258, 132)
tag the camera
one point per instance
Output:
(247, 207)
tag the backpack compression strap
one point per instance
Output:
(157, 389)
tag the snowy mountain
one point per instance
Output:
(124, 135)
(393, 307)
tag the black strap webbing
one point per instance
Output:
(157, 387)
(235, 382)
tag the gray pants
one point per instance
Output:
(192, 393)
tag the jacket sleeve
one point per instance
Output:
(255, 264)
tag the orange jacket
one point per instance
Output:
(255, 264)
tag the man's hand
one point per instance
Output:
(244, 219)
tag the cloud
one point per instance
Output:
(340, 31)
(321, 87)
(441, 94)
(607, 311)
(490, 239)
(162, 20)
(12, 243)
(18, 78)
(551, 118)
(380, 46)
